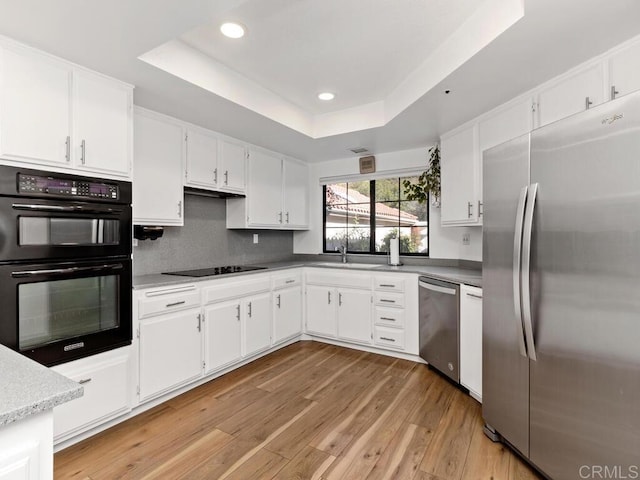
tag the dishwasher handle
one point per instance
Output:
(437, 288)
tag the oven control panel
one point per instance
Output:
(61, 187)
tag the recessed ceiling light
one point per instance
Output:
(232, 30)
(326, 96)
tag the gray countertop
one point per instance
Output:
(453, 274)
(29, 388)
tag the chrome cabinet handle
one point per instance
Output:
(83, 151)
(67, 144)
(215, 175)
(526, 264)
(238, 312)
(278, 299)
(180, 209)
(387, 339)
(469, 207)
(385, 300)
(287, 217)
(480, 210)
(199, 323)
(339, 299)
(175, 304)
(614, 92)
(473, 295)
(387, 285)
(84, 380)
(290, 281)
(388, 319)
(587, 103)
(280, 217)
(329, 297)
(517, 265)
(249, 312)
(226, 177)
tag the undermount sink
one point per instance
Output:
(347, 265)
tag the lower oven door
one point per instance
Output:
(56, 312)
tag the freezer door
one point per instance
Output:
(505, 367)
(585, 285)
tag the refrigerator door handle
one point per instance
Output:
(526, 264)
(517, 262)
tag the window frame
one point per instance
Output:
(372, 223)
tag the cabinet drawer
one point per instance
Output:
(392, 284)
(163, 300)
(226, 290)
(391, 317)
(106, 394)
(337, 278)
(388, 299)
(389, 337)
(286, 280)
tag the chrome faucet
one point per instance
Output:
(343, 252)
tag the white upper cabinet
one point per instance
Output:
(35, 119)
(42, 97)
(295, 193)
(102, 136)
(624, 70)
(214, 163)
(202, 159)
(459, 167)
(276, 198)
(232, 159)
(573, 94)
(505, 124)
(157, 177)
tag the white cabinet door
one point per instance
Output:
(232, 166)
(287, 313)
(157, 177)
(223, 334)
(35, 108)
(571, 95)
(105, 378)
(264, 191)
(354, 315)
(321, 310)
(257, 323)
(170, 352)
(202, 160)
(295, 194)
(624, 70)
(102, 134)
(460, 177)
(505, 125)
(471, 339)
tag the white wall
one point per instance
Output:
(444, 242)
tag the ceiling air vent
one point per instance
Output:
(359, 150)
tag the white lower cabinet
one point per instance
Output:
(26, 449)
(257, 323)
(170, 351)
(321, 316)
(106, 381)
(223, 334)
(287, 313)
(471, 339)
(354, 315)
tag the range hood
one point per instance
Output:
(211, 193)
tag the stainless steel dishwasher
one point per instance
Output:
(439, 325)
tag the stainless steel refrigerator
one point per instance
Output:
(561, 287)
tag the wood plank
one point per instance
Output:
(401, 460)
(264, 465)
(308, 464)
(447, 452)
(435, 401)
(520, 470)
(486, 460)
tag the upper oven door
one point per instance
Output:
(33, 229)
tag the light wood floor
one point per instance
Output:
(308, 411)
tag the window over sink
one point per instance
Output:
(365, 215)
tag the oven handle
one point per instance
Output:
(58, 271)
(65, 208)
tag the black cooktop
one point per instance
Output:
(206, 272)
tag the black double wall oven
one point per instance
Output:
(65, 264)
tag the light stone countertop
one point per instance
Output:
(27, 387)
(452, 274)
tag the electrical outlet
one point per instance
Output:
(255, 238)
(466, 238)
